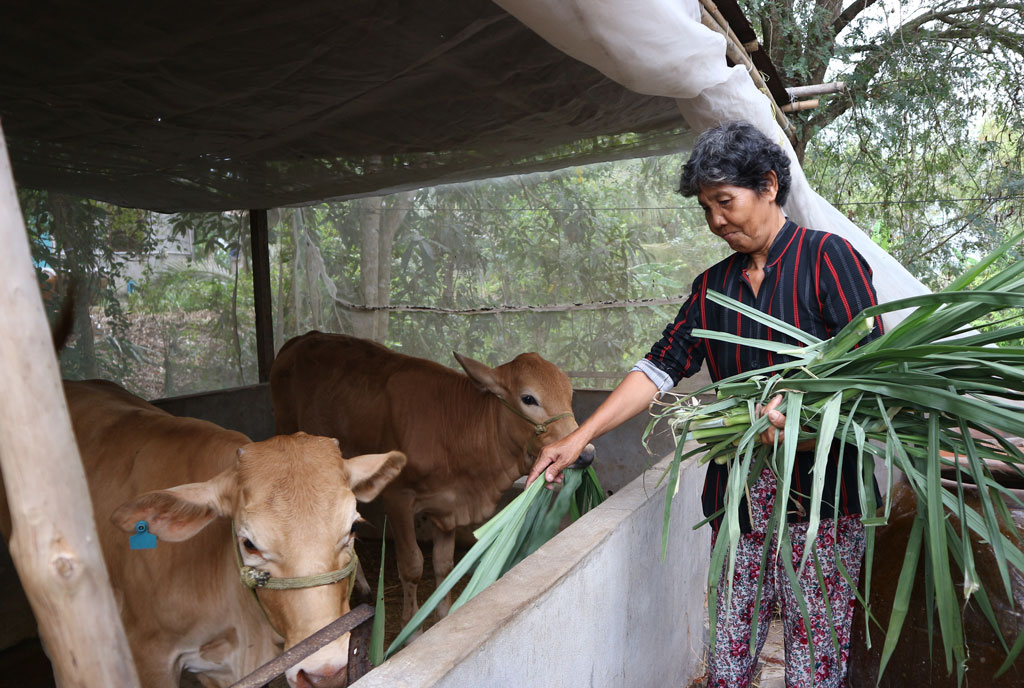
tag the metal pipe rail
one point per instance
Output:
(356, 622)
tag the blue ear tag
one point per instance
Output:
(143, 539)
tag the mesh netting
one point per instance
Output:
(255, 105)
(585, 266)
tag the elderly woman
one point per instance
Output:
(816, 281)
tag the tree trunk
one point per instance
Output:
(370, 213)
(391, 222)
(86, 343)
(296, 277)
(78, 270)
(800, 146)
(310, 264)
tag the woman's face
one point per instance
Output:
(745, 219)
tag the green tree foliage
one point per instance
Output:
(85, 245)
(924, 146)
(923, 150)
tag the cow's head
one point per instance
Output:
(536, 390)
(293, 500)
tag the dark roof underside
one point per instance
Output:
(234, 104)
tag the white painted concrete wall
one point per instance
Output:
(594, 607)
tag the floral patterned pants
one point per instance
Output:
(730, 662)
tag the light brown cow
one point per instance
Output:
(291, 501)
(467, 438)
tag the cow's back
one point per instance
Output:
(129, 446)
(355, 390)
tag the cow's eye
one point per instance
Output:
(529, 400)
(250, 547)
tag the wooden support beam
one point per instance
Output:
(260, 238)
(53, 538)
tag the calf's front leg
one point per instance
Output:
(407, 551)
(443, 559)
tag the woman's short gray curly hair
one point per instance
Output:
(738, 154)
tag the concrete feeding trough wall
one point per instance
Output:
(595, 606)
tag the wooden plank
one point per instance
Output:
(260, 238)
(53, 540)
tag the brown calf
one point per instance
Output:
(467, 437)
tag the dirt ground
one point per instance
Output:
(369, 557)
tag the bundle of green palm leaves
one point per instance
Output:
(915, 398)
(515, 532)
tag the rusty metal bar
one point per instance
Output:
(295, 654)
(359, 663)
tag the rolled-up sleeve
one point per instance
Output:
(677, 354)
(655, 374)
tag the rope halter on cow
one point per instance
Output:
(254, 578)
(538, 428)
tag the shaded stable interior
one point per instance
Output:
(265, 106)
(262, 106)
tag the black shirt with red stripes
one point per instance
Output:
(814, 280)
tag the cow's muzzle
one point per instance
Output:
(586, 457)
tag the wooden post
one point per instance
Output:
(260, 238)
(53, 542)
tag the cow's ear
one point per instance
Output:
(370, 473)
(180, 512)
(482, 375)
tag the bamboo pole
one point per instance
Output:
(53, 542)
(816, 89)
(801, 105)
(711, 17)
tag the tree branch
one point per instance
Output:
(948, 14)
(848, 15)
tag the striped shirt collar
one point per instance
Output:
(783, 240)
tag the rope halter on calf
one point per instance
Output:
(538, 428)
